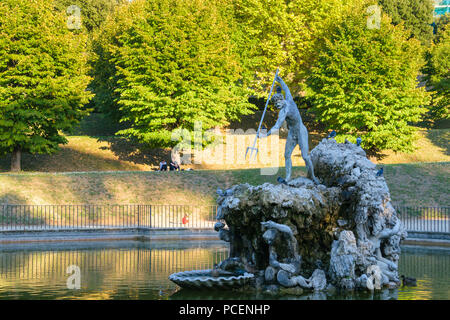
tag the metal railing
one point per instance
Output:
(89, 217)
(425, 219)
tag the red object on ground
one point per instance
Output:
(185, 220)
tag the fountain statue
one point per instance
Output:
(334, 230)
(297, 134)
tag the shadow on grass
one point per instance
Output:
(138, 187)
(127, 150)
(440, 138)
(376, 154)
(10, 198)
(66, 160)
(16, 215)
(259, 176)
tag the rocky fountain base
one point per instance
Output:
(343, 233)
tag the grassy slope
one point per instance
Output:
(92, 147)
(84, 153)
(406, 182)
(412, 178)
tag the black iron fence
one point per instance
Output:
(425, 219)
(84, 217)
(76, 217)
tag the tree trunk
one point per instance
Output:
(15, 159)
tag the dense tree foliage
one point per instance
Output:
(161, 65)
(279, 33)
(365, 81)
(42, 77)
(438, 70)
(264, 35)
(168, 64)
(416, 15)
(103, 69)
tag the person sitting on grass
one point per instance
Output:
(174, 166)
(163, 166)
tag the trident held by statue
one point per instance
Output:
(262, 118)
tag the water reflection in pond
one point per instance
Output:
(140, 270)
(431, 268)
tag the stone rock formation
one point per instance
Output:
(342, 233)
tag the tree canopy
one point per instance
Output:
(279, 33)
(415, 15)
(162, 65)
(42, 77)
(364, 81)
(168, 64)
(438, 70)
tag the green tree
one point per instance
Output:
(279, 33)
(42, 78)
(104, 46)
(365, 81)
(90, 17)
(416, 15)
(168, 64)
(438, 71)
(264, 35)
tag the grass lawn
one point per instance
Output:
(86, 153)
(414, 184)
(97, 167)
(92, 146)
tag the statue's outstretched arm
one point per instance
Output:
(284, 87)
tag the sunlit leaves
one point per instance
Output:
(364, 82)
(163, 65)
(42, 76)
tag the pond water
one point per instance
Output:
(140, 270)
